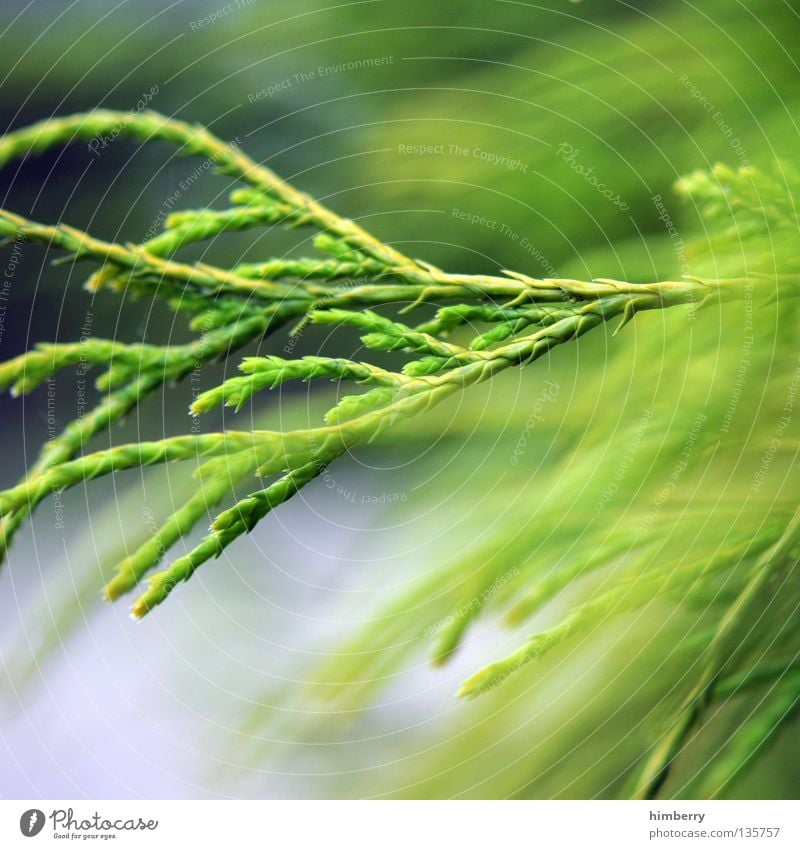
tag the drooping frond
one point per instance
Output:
(482, 326)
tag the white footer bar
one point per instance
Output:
(400, 825)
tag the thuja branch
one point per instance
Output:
(416, 283)
(229, 307)
(193, 140)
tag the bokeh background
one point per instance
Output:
(481, 134)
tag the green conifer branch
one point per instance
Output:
(354, 280)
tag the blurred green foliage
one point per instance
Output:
(561, 92)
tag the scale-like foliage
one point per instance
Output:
(358, 281)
